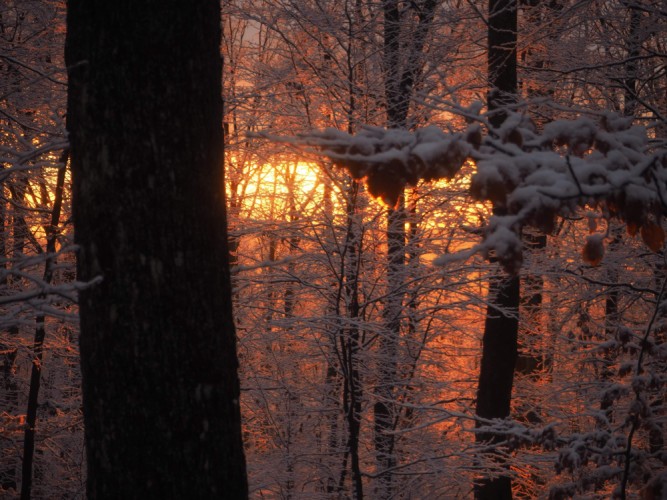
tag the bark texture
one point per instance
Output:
(158, 354)
(499, 352)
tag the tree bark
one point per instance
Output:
(351, 342)
(40, 334)
(499, 354)
(499, 351)
(501, 59)
(403, 67)
(8, 353)
(158, 348)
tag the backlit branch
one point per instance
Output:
(530, 177)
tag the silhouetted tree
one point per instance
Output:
(501, 328)
(158, 354)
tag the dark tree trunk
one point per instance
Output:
(351, 343)
(611, 309)
(343, 376)
(499, 352)
(19, 231)
(530, 361)
(385, 409)
(403, 67)
(501, 58)
(40, 334)
(158, 349)
(612, 319)
(8, 353)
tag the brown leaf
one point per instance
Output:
(632, 228)
(387, 187)
(545, 220)
(653, 235)
(633, 211)
(515, 137)
(493, 190)
(592, 224)
(474, 137)
(593, 251)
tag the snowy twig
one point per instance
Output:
(638, 400)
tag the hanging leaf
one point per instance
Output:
(653, 235)
(545, 220)
(515, 137)
(385, 186)
(593, 251)
(592, 224)
(632, 228)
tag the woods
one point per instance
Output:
(437, 247)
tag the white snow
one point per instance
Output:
(529, 176)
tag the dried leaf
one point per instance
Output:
(385, 186)
(593, 251)
(592, 224)
(653, 235)
(474, 137)
(545, 220)
(493, 190)
(633, 211)
(515, 137)
(632, 228)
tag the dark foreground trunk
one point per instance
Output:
(158, 355)
(494, 393)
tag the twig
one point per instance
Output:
(576, 181)
(635, 421)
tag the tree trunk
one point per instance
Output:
(385, 410)
(19, 230)
(40, 334)
(532, 361)
(499, 354)
(384, 407)
(499, 351)
(351, 342)
(8, 353)
(158, 348)
(501, 58)
(402, 67)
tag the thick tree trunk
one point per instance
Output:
(158, 353)
(501, 58)
(499, 352)
(8, 347)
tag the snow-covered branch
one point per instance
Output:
(531, 177)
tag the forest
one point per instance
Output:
(432, 267)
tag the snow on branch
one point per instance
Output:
(530, 177)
